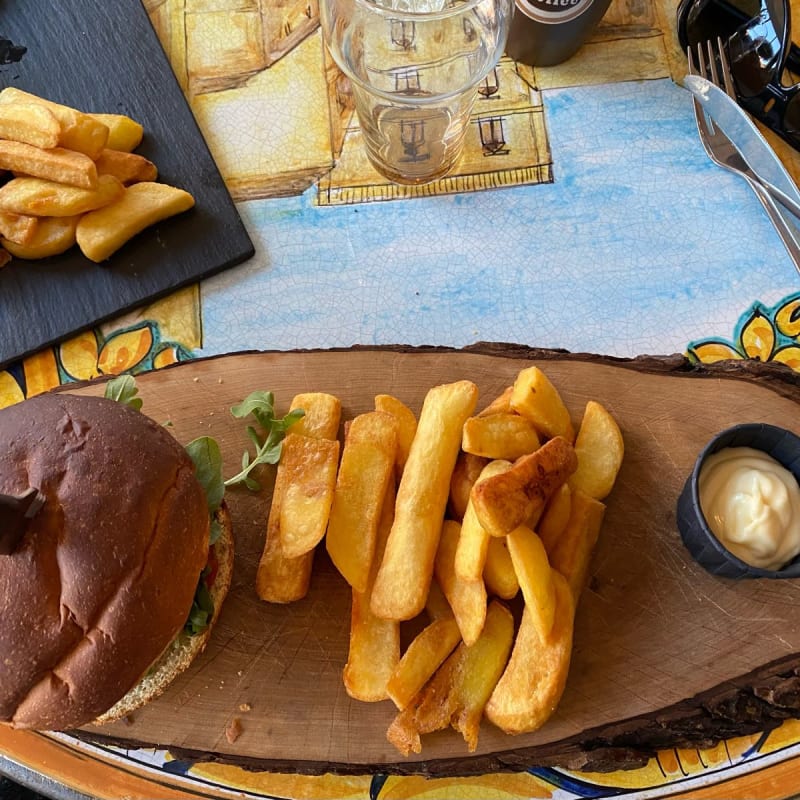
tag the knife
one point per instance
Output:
(747, 139)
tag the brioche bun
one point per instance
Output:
(104, 577)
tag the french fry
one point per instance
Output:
(124, 133)
(466, 598)
(532, 684)
(466, 471)
(374, 643)
(498, 571)
(280, 579)
(368, 461)
(600, 448)
(555, 517)
(53, 236)
(42, 198)
(127, 168)
(79, 131)
(429, 648)
(508, 500)
(405, 574)
(458, 692)
(56, 164)
(506, 436)
(537, 399)
(102, 232)
(474, 540)
(17, 228)
(535, 577)
(310, 478)
(500, 405)
(407, 426)
(436, 605)
(573, 550)
(29, 123)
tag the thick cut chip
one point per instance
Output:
(53, 236)
(127, 168)
(500, 405)
(124, 133)
(474, 540)
(18, 228)
(466, 598)
(555, 517)
(600, 448)
(429, 648)
(310, 473)
(374, 642)
(498, 571)
(531, 686)
(573, 550)
(436, 606)
(41, 198)
(537, 399)
(506, 436)
(56, 164)
(406, 426)
(29, 123)
(323, 413)
(368, 461)
(401, 586)
(508, 500)
(535, 577)
(103, 232)
(466, 471)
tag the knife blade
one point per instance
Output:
(746, 137)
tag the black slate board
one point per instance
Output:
(106, 57)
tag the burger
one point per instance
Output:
(109, 585)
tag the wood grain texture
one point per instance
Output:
(665, 654)
(105, 57)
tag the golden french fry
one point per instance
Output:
(484, 663)
(310, 478)
(429, 648)
(407, 426)
(53, 236)
(56, 164)
(508, 500)
(500, 405)
(530, 688)
(573, 550)
(102, 232)
(466, 598)
(29, 123)
(374, 643)
(124, 133)
(280, 579)
(401, 586)
(537, 399)
(436, 605)
(535, 577)
(17, 228)
(466, 471)
(600, 448)
(555, 517)
(127, 168)
(79, 131)
(498, 571)
(474, 540)
(368, 461)
(42, 198)
(505, 435)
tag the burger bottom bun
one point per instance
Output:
(182, 651)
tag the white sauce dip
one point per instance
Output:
(752, 505)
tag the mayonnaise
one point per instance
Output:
(752, 505)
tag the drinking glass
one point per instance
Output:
(414, 67)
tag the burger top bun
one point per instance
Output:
(105, 574)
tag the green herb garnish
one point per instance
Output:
(123, 389)
(207, 458)
(202, 607)
(267, 448)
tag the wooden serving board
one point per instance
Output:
(106, 57)
(665, 654)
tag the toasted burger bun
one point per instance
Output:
(105, 575)
(184, 648)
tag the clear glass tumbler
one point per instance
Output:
(414, 67)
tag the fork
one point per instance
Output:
(722, 151)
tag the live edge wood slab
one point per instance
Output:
(665, 654)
